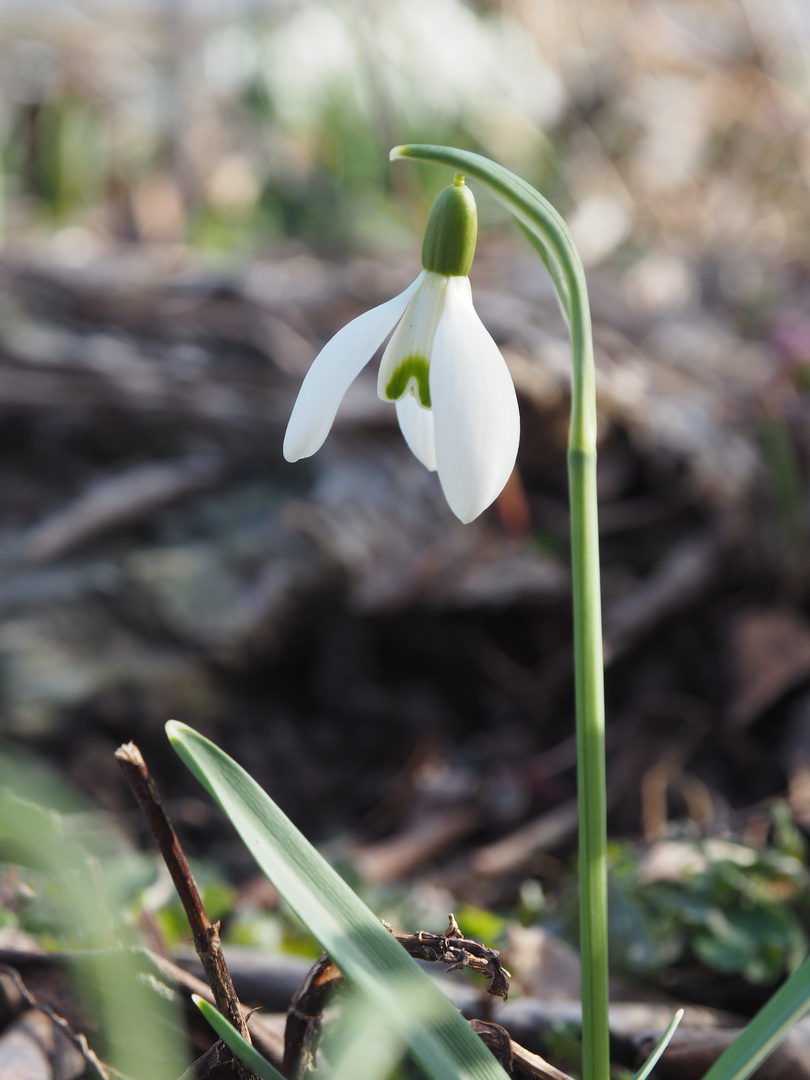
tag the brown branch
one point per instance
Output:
(531, 1066)
(304, 1015)
(454, 949)
(205, 933)
(303, 1027)
(497, 1041)
(516, 1059)
(215, 1059)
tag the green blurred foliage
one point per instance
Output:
(218, 900)
(481, 924)
(66, 879)
(270, 123)
(736, 909)
(69, 155)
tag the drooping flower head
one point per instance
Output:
(454, 397)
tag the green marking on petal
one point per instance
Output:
(412, 373)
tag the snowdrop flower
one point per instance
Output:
(454, 397)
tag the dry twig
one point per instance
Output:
(304, 1015)
(205, 933)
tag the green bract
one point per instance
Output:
(451, 232)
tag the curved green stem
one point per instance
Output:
(550, 237)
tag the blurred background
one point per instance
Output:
(193, 197)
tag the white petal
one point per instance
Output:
(406, 360)
(475, 410)
(417, 427)
(333, 371)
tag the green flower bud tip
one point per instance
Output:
(451, 231)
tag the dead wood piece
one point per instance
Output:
(115, 501)
(303, 1027)
(304, 1016)
(454, 949)
(497, 1041)
(205, 933)
(215, 1064)
(527, 1064)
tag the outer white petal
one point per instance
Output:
(333, 371)
(475, 410)
(417, 427)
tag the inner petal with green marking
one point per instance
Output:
(405, 366)
(410, 376)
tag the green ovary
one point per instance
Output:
(411, 374)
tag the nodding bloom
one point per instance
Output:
(454, 397)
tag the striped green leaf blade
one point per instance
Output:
(648, 1066)
(409, 1002)
(769, 1027)
(234, 1040)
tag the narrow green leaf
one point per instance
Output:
(234, 1041)
(663, 1043)
(363, 1048)
(410, 1003)
(768, 1028)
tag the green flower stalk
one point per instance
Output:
(549, 235)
